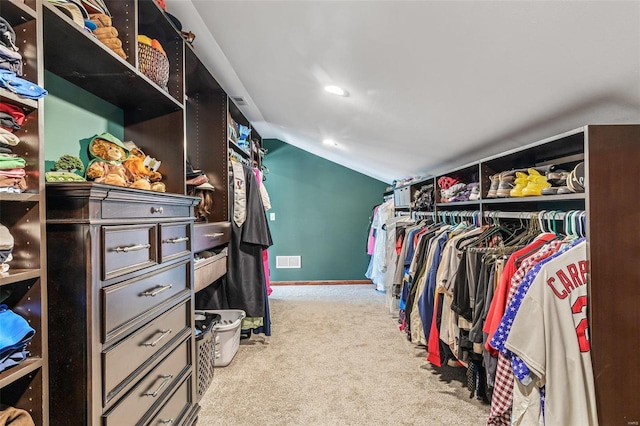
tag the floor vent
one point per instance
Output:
(288, 262)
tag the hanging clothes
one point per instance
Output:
(377, 265)
(246, 283)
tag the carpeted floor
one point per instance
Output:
(335, 357)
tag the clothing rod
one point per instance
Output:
(546, 214)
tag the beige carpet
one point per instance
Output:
(335, 357)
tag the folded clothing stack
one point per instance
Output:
(12, 173)
(6, 247)
(15, 335)
(107, 33)
(10, 58)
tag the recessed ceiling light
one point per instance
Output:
(330, 142)
(336, 90)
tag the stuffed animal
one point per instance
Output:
(108, 153)
(144, 176)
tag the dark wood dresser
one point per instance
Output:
(121, 347)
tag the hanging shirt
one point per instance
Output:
(550, 334)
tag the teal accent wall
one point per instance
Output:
(322, 214)
(73, 117)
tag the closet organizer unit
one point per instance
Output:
(120, 260)
(24, 286)
(610, 154)
(209, 115)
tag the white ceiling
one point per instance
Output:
(433, 84)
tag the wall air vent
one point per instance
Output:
(288, 262)
(239, 100)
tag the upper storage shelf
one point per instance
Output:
(105, 75)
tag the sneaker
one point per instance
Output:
(535, 184)
(505, 185)
(493, 189)
(520, 182)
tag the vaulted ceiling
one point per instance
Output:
(432, 84)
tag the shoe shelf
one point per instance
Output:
(459, 203)
(535, 199)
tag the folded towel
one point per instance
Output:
(105, 32)
(101, 20)
(112, 43)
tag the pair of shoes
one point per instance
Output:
(558, 181)
(520, 183)
(493, 189)
(505, 184)
(535, 184)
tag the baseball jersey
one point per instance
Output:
(550, 334)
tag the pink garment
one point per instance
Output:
(372, 238)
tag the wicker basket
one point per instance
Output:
(153, 64)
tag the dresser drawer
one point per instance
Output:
(176, 408)
(128, 303)
(129, 210)
(151, 390)
(175, 240)
(209, 235)
(123, 360)
(206, 271)
(128, 248)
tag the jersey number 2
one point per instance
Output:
(582, 330)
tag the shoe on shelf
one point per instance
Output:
(493, 189)
(557, 177)
(552, 190)
(564, 190)
(520, 182)
(505, 184)
(535, 184)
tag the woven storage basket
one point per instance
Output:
(153, 64)
(205, 350)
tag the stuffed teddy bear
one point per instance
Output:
(144, 176)
(108, 153)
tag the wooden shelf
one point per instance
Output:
(17, 275)
(24, 102)
(16, 11)
(24, 196)
(459, 203)
(239, 150)
(106, 75)
(561, 197)
(19, 371)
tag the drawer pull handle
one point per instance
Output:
(162, 336)
(176, 240)
(165, 422)
(131, 248)
(163, 384)
(157, 291)
(214, 235)
(157, 210)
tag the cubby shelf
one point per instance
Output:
(18, 100)
(19, 371)
(17, 275)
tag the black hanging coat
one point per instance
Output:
(245, 281)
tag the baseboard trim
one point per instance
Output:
(336, 282)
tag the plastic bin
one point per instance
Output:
(205, 350)
(227, 335)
